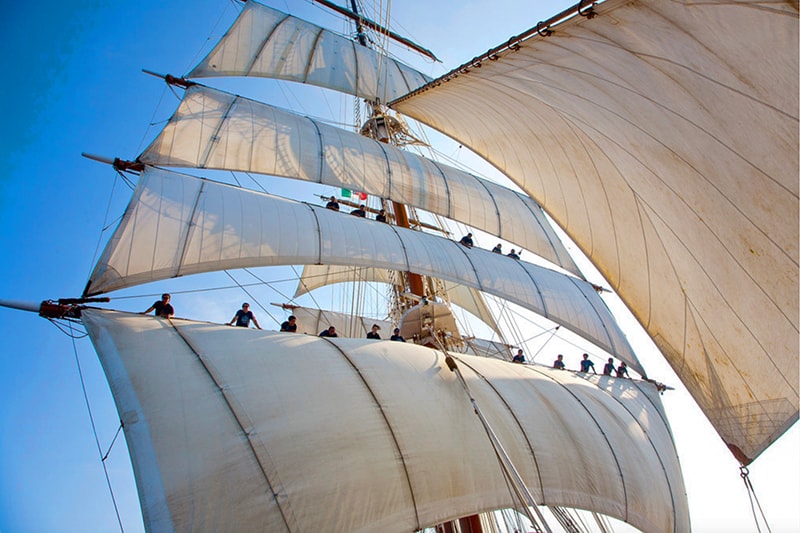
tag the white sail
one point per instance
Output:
(249, 430)
(467, 298)
(313, 321)
(268, 43)
(177, 225)
(487, 348)
(663, 138)
(218, 130)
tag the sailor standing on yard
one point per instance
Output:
(374, 333)
(243, 317)
(587, 364)
(162, 307)
(466, 240)
(608, 368)
(330, 332)
(396, 336)
(332, 204)
(290, 325)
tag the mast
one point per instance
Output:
(379, 127)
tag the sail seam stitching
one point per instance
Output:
(599, 428)
(672, 441)
(494, 202)
(403, 245)
(446, 187)
(264, 42)
(286, 513)
(319, 233)
(321, 148)
(190, 224)
(514, 416)
(389, 172)
(614, 349)
(311, 56)
(357, 76)
(386, 420)
(463, 250)
(545, 312)
(214, 138)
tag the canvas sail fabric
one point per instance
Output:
(467, 298)
(487, 348)
(177, 225)
(265, 42)
(217, 130)
(313, 321)
(244, 430)
(662, 137)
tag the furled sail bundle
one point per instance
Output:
(218, 130)
(316, 276)
(177, 225)
(265, 42)
(251, 430)
(662, 137)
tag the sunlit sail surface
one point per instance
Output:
(217, 130)
(363, 457)
(662, 137)
(265, 42)
(177, 225)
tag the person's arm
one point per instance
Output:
(148, 310)
(256, 322)
(232, 320)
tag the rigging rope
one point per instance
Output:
(248, 293)
(94, 431)
(563, 517)
(600, 524)
(521, 490)
(744, 473)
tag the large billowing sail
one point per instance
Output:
(214, 129)
(663, 138)
(268, 43)
(469, 299)
(245, 430)
(177, 225)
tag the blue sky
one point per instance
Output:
(73, 83)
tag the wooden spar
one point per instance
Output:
(377, 27)
(117, 163)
